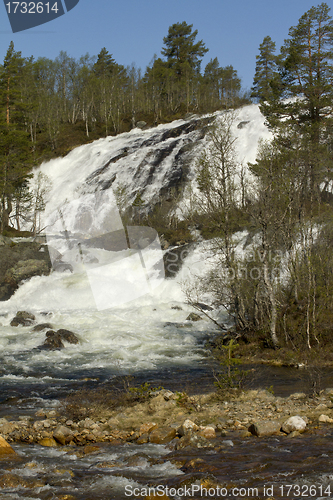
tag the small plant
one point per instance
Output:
(184, 401)
(231, 377)
(144, 391)
(270, 389)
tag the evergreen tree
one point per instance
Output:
(181, 50)
(266, 71)
(306, 73)
(15, 147)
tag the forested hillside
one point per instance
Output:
(47, 107)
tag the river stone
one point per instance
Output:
(295, 423)
(162, 435)
(5, 448)
(261, 429)
(187, 427)
(297, 395)
(325, 419)
(147, 427)
(143, 439)
(208, 432)
(23, 318)
(63, 435)
(68, 336)
(53, 341)
(49, 442)
(194, 441)
(42, 326)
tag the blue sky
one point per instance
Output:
(133, 30)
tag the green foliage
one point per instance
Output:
(184, 401)
(181, 50)
(305, 68)
(231, 377)
(143, 392)
(266, 73)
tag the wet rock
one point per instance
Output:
(193, 317)
(68, 336)
(141, 124)
(49, 442)
(9, 480)
(42, 326)
(137, 460)
(5, 448)
(162, 435)
(293, 434)
(26, 269)
(242, 124)
(23, 318)
(295, 423)
(90, 448)
(53, 341)
(204, 307)
(194, 441)
(61, 267)
(261, 429)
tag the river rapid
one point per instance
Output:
(152, 340)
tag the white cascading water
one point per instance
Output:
(122, 329)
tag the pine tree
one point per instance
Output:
(266, 71)
(180, 48)
(306, 73)
(15, 147)
(183, 58)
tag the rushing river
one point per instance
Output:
(151, 339)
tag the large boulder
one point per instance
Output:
(19, 262)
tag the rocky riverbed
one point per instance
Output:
(167, 417)
(187, 439)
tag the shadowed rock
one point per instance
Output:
(23, 318)
(54, 340)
